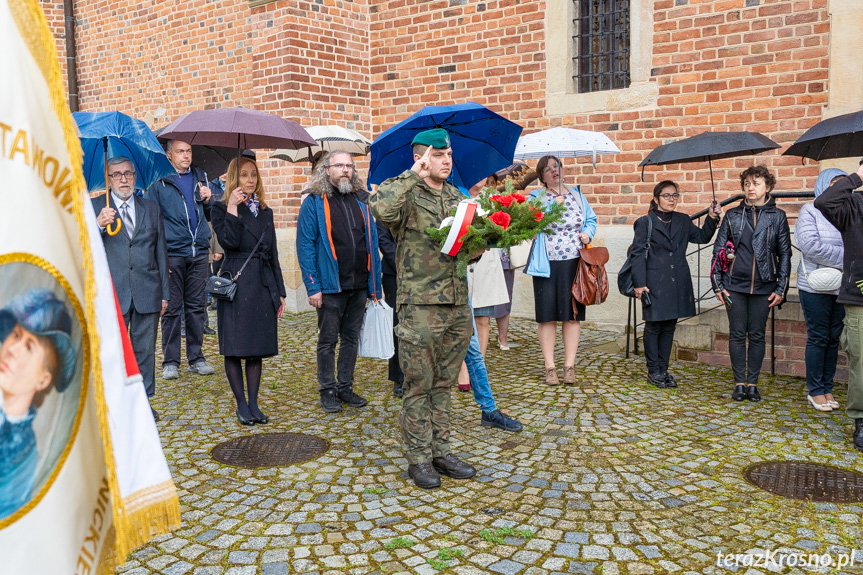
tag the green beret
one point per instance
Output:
(436, 138)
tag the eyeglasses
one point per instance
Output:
(342, 166)
(670, 196)
(121, 175)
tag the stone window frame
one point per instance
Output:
(562, 95)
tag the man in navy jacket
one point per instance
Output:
(185, 202)
(337, 249)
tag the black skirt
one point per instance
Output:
(552, 296)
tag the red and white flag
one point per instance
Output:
(464, 214)
(83, 480)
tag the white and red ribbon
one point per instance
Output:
(463, 217)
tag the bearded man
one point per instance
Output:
(337, 249)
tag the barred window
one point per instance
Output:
(601, 44)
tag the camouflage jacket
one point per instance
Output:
(407, 206)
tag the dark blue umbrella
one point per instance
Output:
(482, 142)
(108, 134)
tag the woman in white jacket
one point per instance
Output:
(822, 247)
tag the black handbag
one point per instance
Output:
(624, 276)
(225, 288)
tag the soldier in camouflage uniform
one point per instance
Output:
(435, 323)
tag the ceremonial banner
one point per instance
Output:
(83, 480)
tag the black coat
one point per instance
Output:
(665, 272)
(247, 325)
(845, 211)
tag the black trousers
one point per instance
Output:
(340, 317)
(142, 332)
(658, 339)
(747, 319)
(395, 371)
(188, 282)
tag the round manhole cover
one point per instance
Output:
(270, 450)
(812, 481)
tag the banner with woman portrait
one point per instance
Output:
(81, 465)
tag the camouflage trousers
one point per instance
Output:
(433, 341)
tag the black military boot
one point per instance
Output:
(329, 402)
(424, 475)
(397, 389)
(452, 466)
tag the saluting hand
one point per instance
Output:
(422, 166)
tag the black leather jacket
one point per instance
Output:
(771, 243)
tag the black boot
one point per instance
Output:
(424, 475)
(397, 389)
(669, 380)
(452, 466)
(329, 402)
(347, 395)
(858, 434)
(752, 393)
(739, 393)
(657, 380)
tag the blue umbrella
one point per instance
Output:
(124, 136)
(482, 142)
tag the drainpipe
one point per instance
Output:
(71, 58)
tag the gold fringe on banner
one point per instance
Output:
(162, 513)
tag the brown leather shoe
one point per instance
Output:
(452, 466)
(424, 475)
(551, 376)
(569, 374)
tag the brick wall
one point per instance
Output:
(718, 65)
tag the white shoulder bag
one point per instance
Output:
(824, 279)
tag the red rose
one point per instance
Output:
(519, 199)
(505, 201)
(501, 218)
(538, 216)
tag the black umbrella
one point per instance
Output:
(707, 147)
(839, 137)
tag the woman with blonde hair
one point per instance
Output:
(248, 324)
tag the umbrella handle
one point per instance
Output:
(117, 221)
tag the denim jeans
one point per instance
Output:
(824, 319)
(747, 319)
(479, 375)
(340, 317)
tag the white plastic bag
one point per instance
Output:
(376, 335)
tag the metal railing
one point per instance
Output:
(632, 323)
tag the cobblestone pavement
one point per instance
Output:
(609, 475)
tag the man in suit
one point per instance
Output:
(138, 259)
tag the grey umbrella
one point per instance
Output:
(707, 147)
(838, 137)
